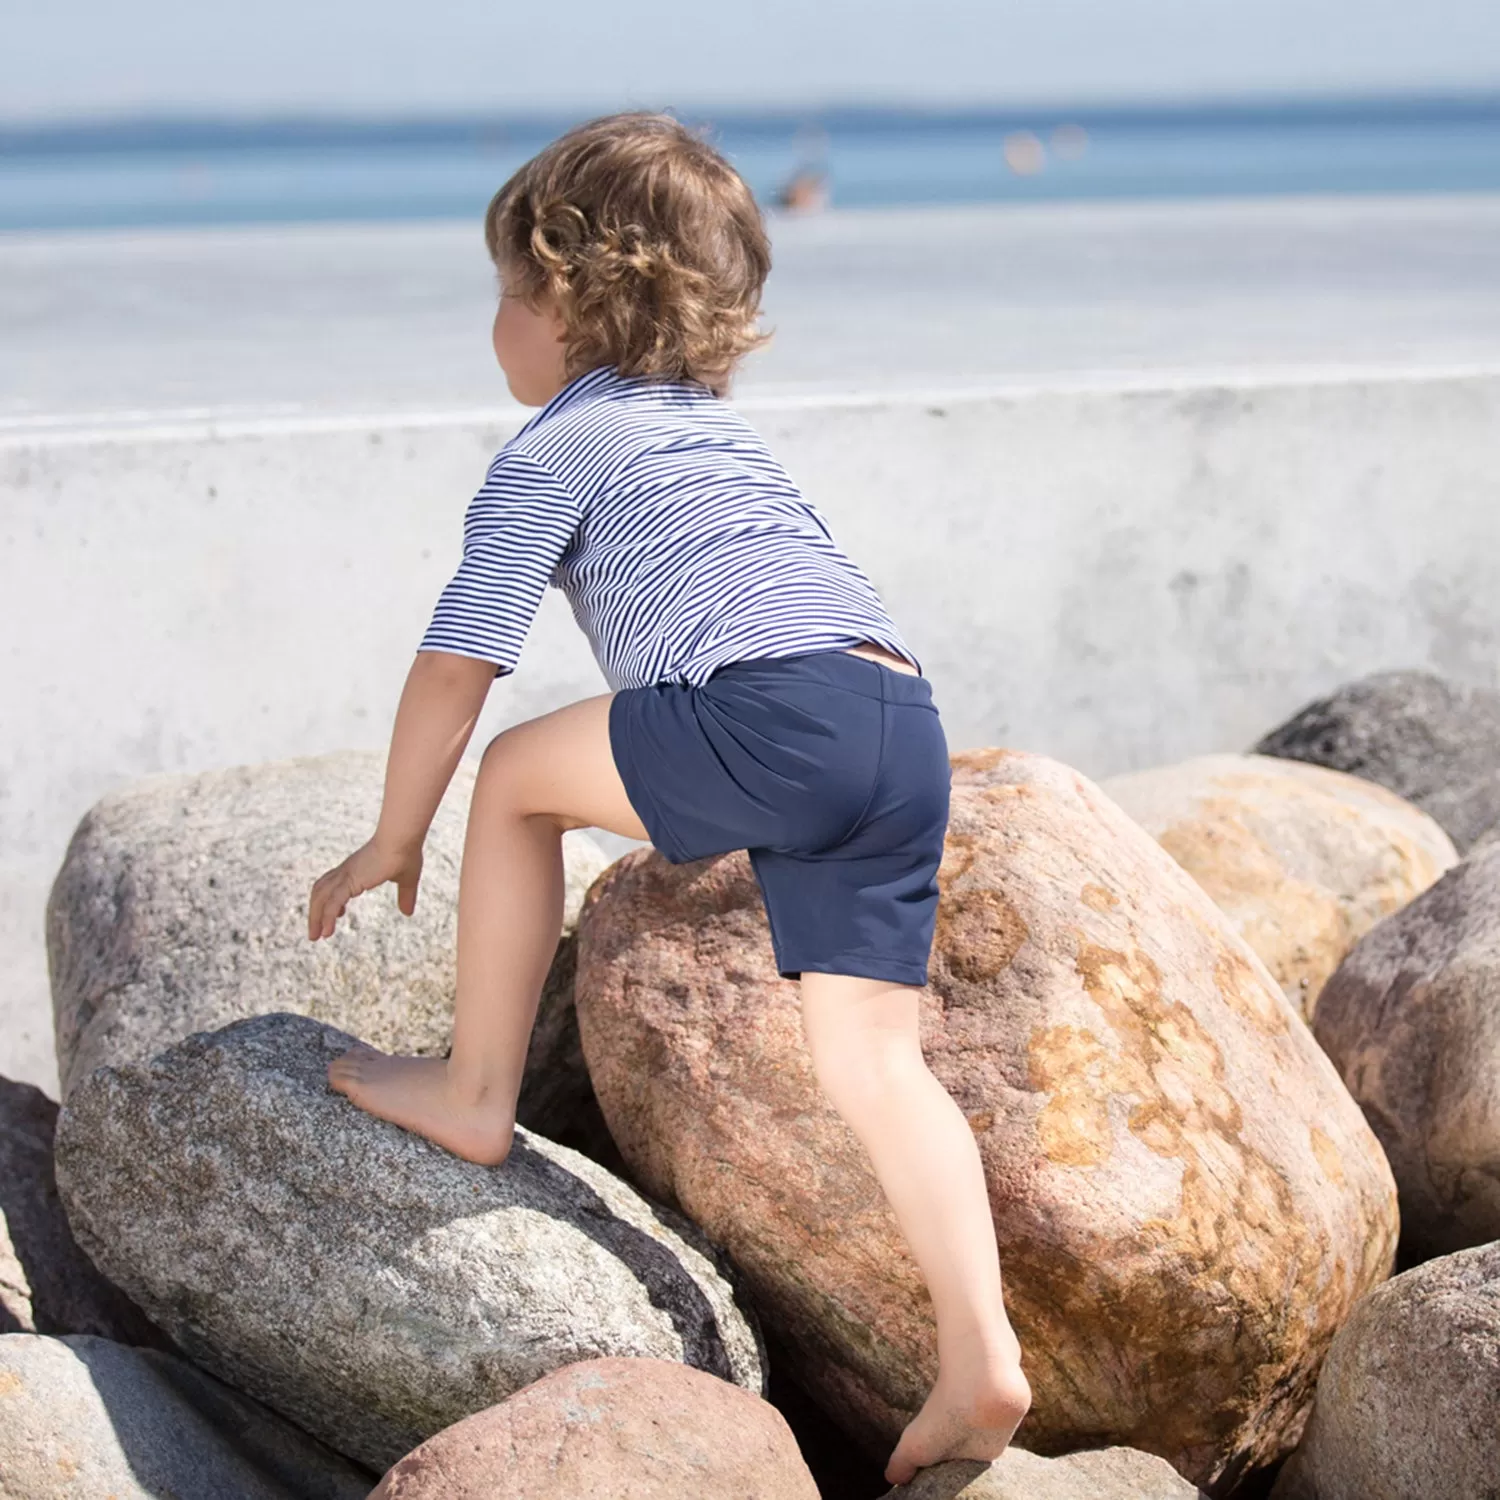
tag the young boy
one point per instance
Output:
(762, 700)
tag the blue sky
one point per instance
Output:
(64, 58)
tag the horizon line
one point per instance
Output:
(57, 128)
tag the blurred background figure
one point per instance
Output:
(807, 189)
(1024, 153)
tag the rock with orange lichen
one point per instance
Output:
(1186, 1198)
(611, 1429)
(1303, 860)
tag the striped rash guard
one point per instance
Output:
(680, 542)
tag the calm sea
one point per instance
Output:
(206, 172)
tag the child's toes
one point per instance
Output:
(345, 1069)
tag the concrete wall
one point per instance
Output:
(1114, 576)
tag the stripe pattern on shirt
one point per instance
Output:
(679, 541)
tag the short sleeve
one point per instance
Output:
(515, 531)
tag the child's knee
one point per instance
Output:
(857, 1056)
(504, 769)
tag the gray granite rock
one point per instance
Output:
(181, 905)
(1099, 1474)
(1408, 1400)
(89, 1419)
(1411, 1019)
(1429, 740)
(47, 1284)
(364, 1282)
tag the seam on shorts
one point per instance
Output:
(859, 817)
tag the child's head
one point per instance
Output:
(643, 246)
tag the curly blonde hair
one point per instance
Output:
(646, 241)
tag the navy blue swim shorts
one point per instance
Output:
(831, 770)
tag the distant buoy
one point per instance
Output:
(1024, 153)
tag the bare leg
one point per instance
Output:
(863, 1037)
(536, 780)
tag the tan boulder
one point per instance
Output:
(611, 1429)
(1302, 859)
(1186, 1198)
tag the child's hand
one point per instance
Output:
(367, 867)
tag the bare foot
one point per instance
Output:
(961, 1418)
(414, 1092)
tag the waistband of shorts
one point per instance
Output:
(839, 669)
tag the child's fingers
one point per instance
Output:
(406, 896)
(326, 905)
(333, 908)
(315, 910)
(332, 892)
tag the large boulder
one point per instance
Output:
(181, 905)
(1408, 1403)
(611, 1429)
(359, 1279)
(1186, 1198)
(82, 1418)
(1096, 1474)
(1303, 860)
(47, 1284)
(1411, 1019)
(1429, 740)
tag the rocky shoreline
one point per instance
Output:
(1227, 1033)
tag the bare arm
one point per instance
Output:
(439, 708)
(436, 716)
